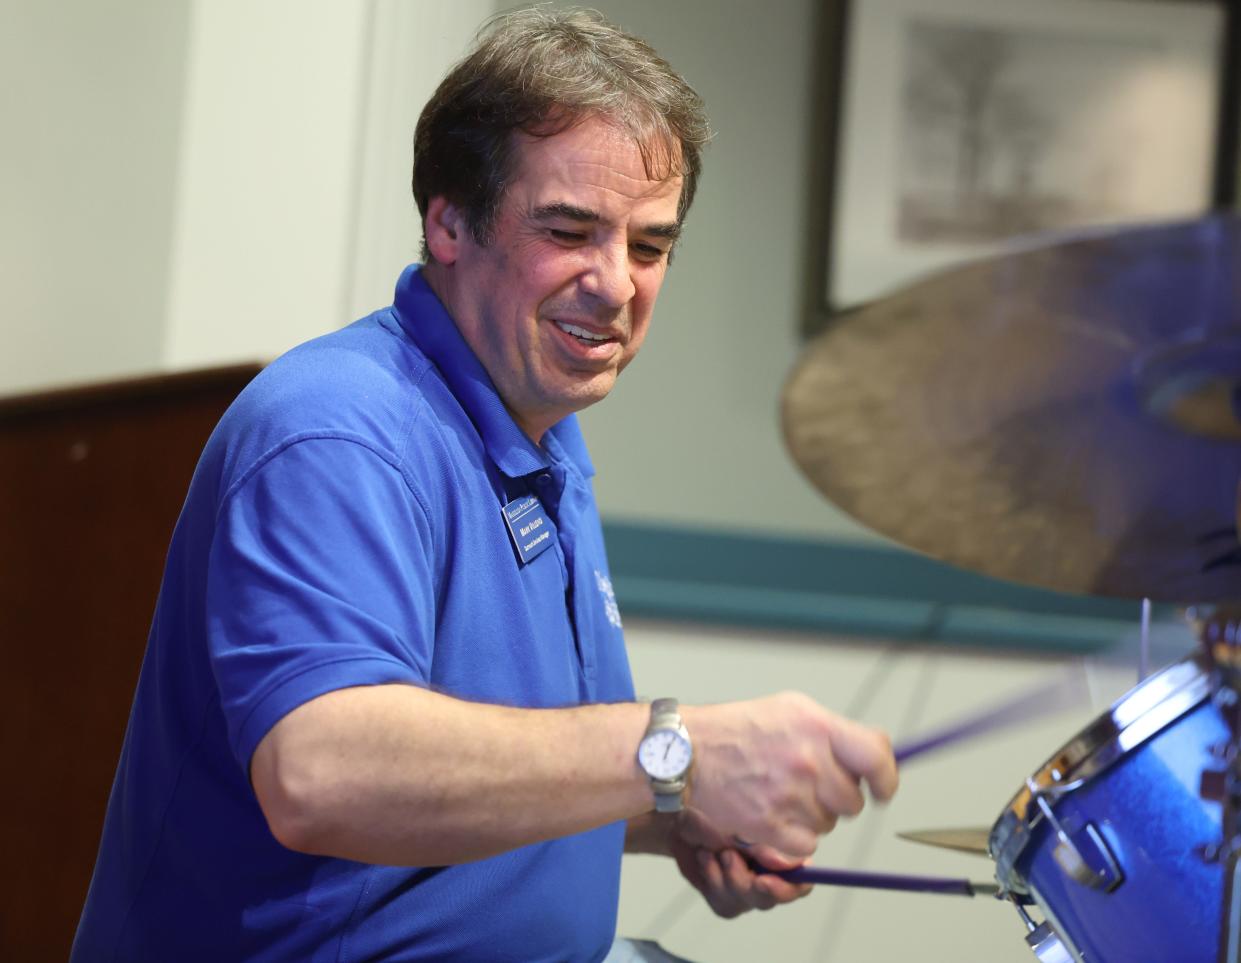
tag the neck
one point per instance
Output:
(439, 280)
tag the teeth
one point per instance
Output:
(582, 333)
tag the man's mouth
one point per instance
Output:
(582, 334)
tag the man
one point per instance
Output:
(385, 711)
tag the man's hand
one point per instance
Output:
(718, 869)
(778, 772)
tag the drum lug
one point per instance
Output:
(1223, 751)
(1213, 785)
(1218, 852)
(1086, 858)
(1042, 938)
(1046, 944)
(1083, 855)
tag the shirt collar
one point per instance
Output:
(426, 322)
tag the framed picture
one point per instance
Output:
(963, 124)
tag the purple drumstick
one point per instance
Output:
(1055, 696)
(856, 878)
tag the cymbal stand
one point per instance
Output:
(1144, 643)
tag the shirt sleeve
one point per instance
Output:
(321, 577)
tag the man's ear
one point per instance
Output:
(444, 229)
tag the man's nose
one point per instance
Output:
(609, 278)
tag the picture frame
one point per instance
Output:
(960, 126)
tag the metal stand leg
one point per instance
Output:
(1230, 843)
(1221, 636)
(1230, 930)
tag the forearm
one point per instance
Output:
(400, 775)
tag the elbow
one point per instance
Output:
(290, 802)
(292, 828)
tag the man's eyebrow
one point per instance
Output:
(669, 232)
(584, 215)
(562, 209)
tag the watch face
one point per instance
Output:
(665, 754)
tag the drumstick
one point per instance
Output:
(892, 881)
(1050, 697)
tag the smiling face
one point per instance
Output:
(559, 301)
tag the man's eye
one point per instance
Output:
(649, 252)
(568, 237)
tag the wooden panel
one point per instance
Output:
(91, 483)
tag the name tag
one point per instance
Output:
(530, 528)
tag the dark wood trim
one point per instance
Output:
(142, 387)
(92, 479)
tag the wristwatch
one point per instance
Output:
(665, 754)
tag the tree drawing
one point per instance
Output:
(983, 133)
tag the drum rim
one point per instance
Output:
(1136, 717)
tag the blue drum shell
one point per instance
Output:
(1148, 809)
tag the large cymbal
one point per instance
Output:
(1062, 416)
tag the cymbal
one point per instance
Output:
(972, 840)
(1063, 416)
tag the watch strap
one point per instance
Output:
(665, 707)
(669, 801)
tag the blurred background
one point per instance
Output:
(191, 184)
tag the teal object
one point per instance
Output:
(856, 589)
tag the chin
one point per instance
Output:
(587, 392)
(594, 394)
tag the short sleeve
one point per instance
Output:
(320, 577)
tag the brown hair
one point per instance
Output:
(540, 71)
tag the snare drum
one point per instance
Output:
(1112, 838)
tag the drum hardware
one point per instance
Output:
(1058, 818)
(1221, 638)
(1193, 386)
(1144, 641)
(1044, 941)
(1064, 841)
(1046, 944)
(1230, 941)
(1216, 852)
(1228, 559)
(1083, 854)
(1228, 851)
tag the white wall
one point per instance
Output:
(88, 162)
(294, 209)
(413, 44)
(692, 435)
(191, 182)
(265, 186)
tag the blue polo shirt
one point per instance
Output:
(344, 527)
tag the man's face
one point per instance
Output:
(559, 302)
